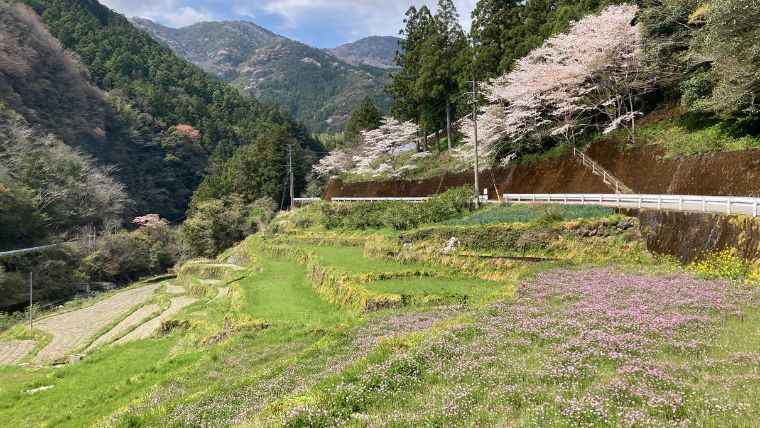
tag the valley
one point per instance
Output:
(322, 214)
(316, 86)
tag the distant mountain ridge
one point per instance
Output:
(375, 51)
(316, 87)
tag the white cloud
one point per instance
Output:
(312, 21)
(246, 11)
(169, 12)
(185, 16)
(364, 16)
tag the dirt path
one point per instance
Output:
(145, 330)
(11, 351)
(223, 291)
(174, 289)
(133, 319)
(73, 329)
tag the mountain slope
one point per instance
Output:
(375, 51)
(315, 87)
(88, 76)
(46, 87)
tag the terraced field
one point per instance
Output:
(314, 333)
(12, 351)
(148, 327)
(72, 330)
(134, 319)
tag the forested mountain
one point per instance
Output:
(88, 77)
(51, 116)
(315, 87)
(376, 51)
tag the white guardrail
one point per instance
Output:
(381, 199)
(306, 200)
(712, 204)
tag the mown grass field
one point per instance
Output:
(616, 339)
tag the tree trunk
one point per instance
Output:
(448, 122)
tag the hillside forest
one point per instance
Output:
(552, 75)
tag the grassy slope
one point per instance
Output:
(261, 376)
(351, 259)
(83, 393)
(280, 294)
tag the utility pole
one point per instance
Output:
(290, 172)
(31, 302)
(474, 102)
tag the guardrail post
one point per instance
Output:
(640, 199)
(519, 198)
(534, 199)
(601, 200)
(617, 195)
(583, 199)
(728, 206)
(659, 202)
(704, 204)
(564, 198)
(754, 208)
(680, 203)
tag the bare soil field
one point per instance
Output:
(174, 289)
(132, 320)
(11, 351)
(147, 328)
(73, 329)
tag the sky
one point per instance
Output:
(319, 23)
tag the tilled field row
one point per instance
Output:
(73, 329)
(11, 351)
(132, 320)
(147, 328)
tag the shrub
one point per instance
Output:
(726, 264)
(216, 224)
(397, 214)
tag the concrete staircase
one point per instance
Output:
(596, 169)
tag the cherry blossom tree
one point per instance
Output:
(337, 161)
(587, 77)
(380, 152)
(150, 221)
(382, 148)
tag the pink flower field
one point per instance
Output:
(573, 348)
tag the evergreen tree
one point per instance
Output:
(442, 63)
(406, 99)
(256, 170)
(506, 30)
(365, 118)
(431, 62)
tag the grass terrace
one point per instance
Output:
(379, 327)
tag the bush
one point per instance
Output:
(214, 225)
(726, 264)
(397, 214)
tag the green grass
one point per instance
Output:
(524, 213)
(352, 260)
(685, 134)
(86, 392)
(279, 293)
(464, 290)
(258, 376)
